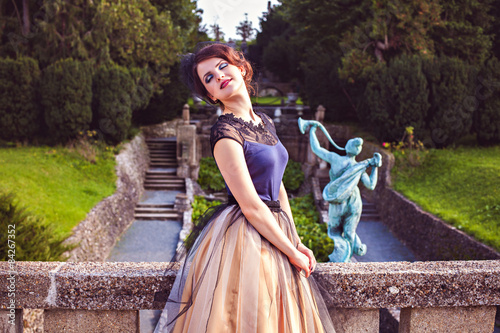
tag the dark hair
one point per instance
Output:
(218, 50)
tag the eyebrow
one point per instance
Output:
(215, 66)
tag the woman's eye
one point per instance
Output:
(208, 78)
(223, 65)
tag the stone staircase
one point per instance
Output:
(161, 176)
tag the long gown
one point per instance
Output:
(232, 278)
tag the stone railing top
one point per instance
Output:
(139, 286)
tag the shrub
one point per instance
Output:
(66, 94)
(294, 176)
(167, 102)
(397, 97)
(200, 206)
(113, 88)
(209, 176)
(450, 115)
(143, 89)
(20, 114)
(33, 239)
(487, 115)
(312, 233)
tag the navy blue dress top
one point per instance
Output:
(265, 155)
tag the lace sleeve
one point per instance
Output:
(224, 130)
(268, 119)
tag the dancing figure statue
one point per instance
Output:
(342, 192)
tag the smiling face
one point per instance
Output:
(221, 79)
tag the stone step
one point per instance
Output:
(163, 159)
(162, 148)
(161, 217)
(155, 210)
(144, 205)
(172, 139)
(370, 217)
(158, 187)
(163, 165)
(164, 182)
(162, 176)
(162, 155)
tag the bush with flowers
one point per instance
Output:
(408, 153)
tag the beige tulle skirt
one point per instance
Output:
(234, 280)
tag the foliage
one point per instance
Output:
(200, 206)
(27, 237)
(312, 233)
(293, 176)
(61, 184)
(465, 30)
(407, 152)
(459, 185)
(143, 89)
(66, 95)
(390, 29)
(166, 102)
(209, 176)
(244, 29)
(487, 115)
(397, 97)
(450, 114)
(137, 34)
(113, 88)
(20, 113)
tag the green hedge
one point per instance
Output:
(66, 94)
(487, 115)
(31, 237)
(450, 114)
(397, 97)
(113, 88)
(294, 176)
(312, 233)
(209, 176)
(20, 113)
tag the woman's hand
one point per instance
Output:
(301, 262)
(312, 260)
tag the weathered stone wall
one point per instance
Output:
(434, 296)
(427, 236)
(164, 130)
(98, 232)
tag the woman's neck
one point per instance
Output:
(241, 107)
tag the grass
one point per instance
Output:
(268, 100)
(461, 186)
(60, 183)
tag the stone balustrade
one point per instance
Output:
(452, 296)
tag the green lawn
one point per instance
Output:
(268, 100)
(461, 186)
(56, 182)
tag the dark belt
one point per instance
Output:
(273, 205)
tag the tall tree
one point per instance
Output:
(245, 29)
(465, 31)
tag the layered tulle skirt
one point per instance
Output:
(234, 280)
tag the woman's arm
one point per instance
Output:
(231, 162)
(285, 205)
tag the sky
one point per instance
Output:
(229, 13)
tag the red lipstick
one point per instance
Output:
(224, 83)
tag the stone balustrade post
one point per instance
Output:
(85, 321)
(188, 165)
(11, 321)
(471, 319)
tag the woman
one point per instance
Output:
(246, 270)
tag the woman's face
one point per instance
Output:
(221, 79)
